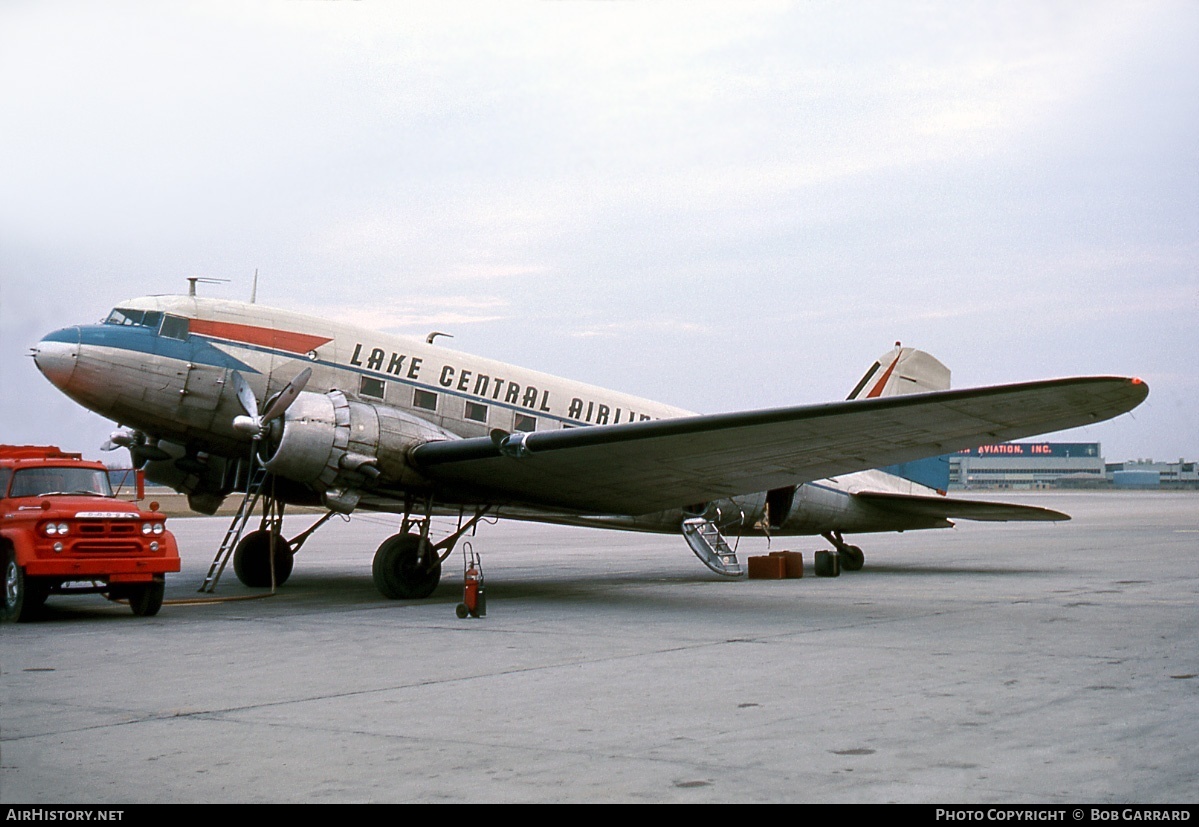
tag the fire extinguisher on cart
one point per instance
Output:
(474, 598)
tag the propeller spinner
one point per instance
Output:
(254, 423)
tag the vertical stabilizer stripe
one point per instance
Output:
(853, 394)
(878, 389)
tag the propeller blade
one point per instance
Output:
(286, 396)
(245, 395)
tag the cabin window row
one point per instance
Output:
(372, 388)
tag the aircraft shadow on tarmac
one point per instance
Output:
(352, 590)
(921, 569)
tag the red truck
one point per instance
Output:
(63, 532)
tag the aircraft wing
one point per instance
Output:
(916, 505)
(642, 467)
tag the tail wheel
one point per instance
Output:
(852, 558)
(402, 572)
(252, 560)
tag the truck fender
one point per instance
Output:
(21, 544)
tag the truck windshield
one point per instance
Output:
(44, 482)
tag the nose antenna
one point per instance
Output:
(193, 280)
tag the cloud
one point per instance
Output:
(398, 316)
(623, 329)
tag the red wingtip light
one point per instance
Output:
(1136, 380)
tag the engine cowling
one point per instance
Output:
(205, 482)
(341, 447)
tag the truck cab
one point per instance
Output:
(62, 531)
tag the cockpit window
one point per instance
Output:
(136, 318)
(174, 327)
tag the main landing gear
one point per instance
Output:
(252, 561)
(252, 558)
(852, 558)
(407, 566)
(264, 557)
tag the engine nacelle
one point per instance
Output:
(340, 447)
(203, 481)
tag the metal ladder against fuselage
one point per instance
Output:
(705, 539)
(236, 527)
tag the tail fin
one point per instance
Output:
(902, 370)
(907, 370)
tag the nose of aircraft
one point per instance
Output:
(57, 354)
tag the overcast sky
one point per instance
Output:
(719, 205)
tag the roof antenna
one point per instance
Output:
(429, 339)
(193, 280)
(254, 289)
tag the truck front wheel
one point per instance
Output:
(23, 596)
(145, 599)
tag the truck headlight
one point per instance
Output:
(147, 528)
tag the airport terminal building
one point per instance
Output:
(1027, 465)
(1062, 465)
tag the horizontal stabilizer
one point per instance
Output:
(946, 507)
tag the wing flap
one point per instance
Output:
(641, 467)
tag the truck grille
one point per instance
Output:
(112, 529)
(107, 548)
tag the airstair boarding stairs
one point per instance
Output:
(703, 535)
(258, 476)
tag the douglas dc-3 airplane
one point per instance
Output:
(222, 396)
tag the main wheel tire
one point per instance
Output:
(145, 599)
(852, 558)
(252, 560)
(400, 573)
(23, 596)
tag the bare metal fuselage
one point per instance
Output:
(167, 373)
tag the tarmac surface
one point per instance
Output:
(992, 663)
